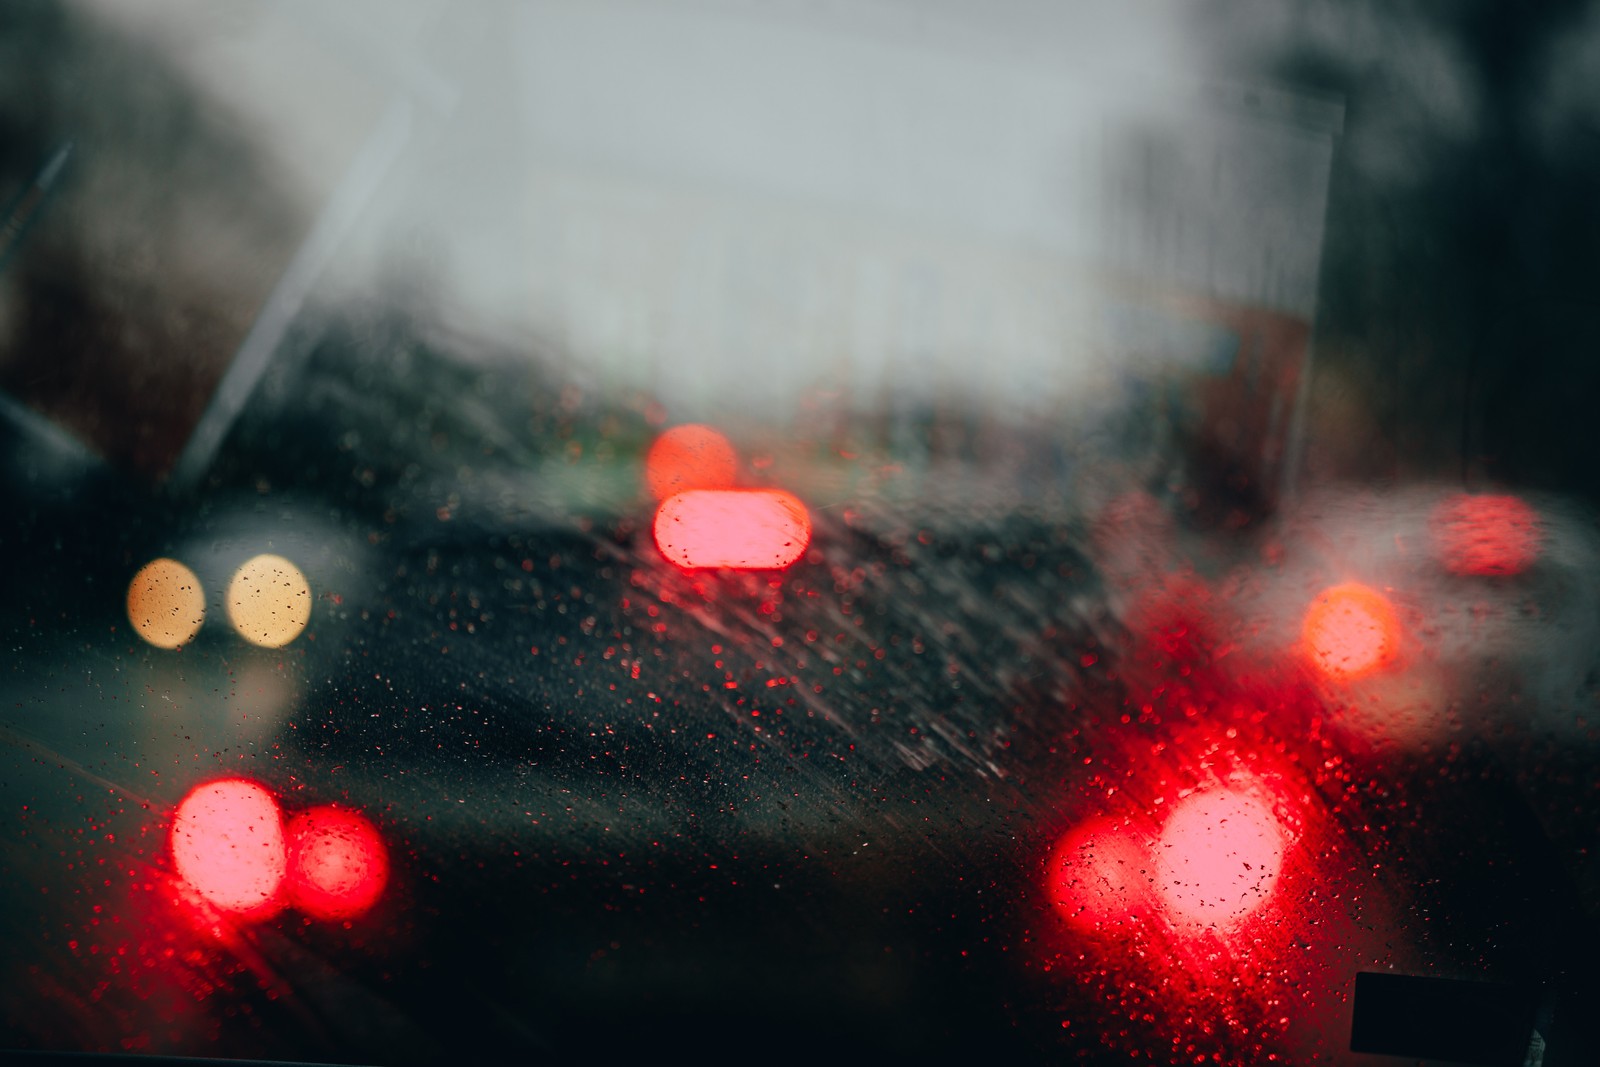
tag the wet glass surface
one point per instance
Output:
(1038, 661)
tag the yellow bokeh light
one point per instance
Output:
(166, 604)
(269, 601)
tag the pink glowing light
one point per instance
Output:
(743, 529)
(1218, 858)
(227, 843)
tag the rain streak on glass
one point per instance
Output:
(269, 601)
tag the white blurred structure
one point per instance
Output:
(734, 207)
(1022, 208)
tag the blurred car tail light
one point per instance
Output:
(689, 457)
(338, 866)
(228, 845)
(743, 529)
(1218, 857)
(1350, 631)
(1485, 535)
(1100, 876)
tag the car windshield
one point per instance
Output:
(925, 531)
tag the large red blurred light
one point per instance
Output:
(1100, 876)
(227, 843)
(1350, 631)
(338, 866)
(1218, 858)
(1485, 535)
(689, 457)
(744, 529)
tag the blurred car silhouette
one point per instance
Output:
(1098, 718)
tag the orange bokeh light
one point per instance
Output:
(689, 457)
(166, 604)
(1350, 631)
(269, 601)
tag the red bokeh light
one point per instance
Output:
(1218, 858)
(1485, 535)
(1212, 962)
(689, 457)
(1350, 631)
(1099, 876)
(745, 529)
(338, 866)
(227, 843)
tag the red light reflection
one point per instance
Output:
(227, 843)
(1485, 535)
(745, 529)
(1218, 858)
(1350, 631)
(338, 866)
(689, 457)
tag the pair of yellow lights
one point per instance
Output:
(269, 602)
